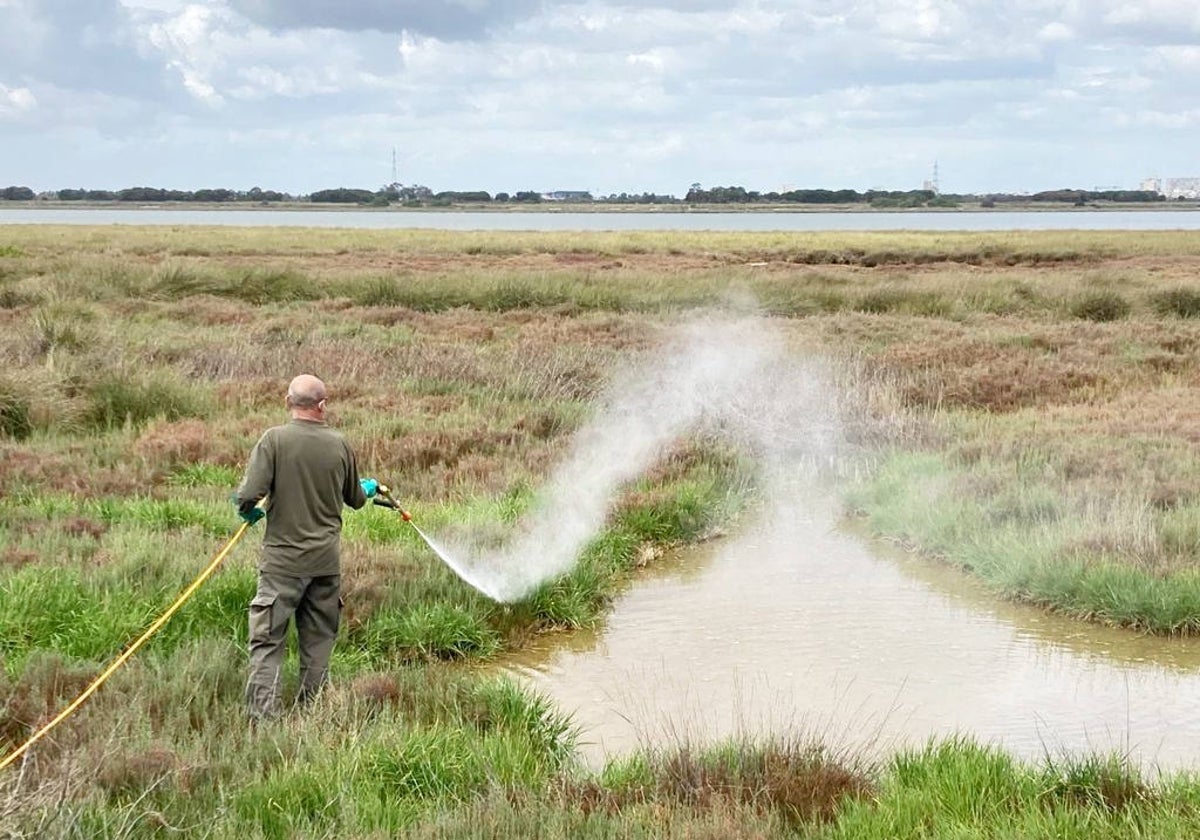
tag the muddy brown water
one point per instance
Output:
(805, 626)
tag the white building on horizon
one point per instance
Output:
(1174, 188)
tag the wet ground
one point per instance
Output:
(805, 626)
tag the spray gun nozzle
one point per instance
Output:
(383, 498)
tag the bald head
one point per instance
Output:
(306, 394)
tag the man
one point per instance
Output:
(305, 471)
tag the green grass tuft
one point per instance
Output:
(1101, 306)
(1183, 302)
(15, 413)
(117, 399)
(431, 631)
(205, 475)
(439, 763)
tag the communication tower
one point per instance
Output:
(933, 185)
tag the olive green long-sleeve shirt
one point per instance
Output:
(308, 471)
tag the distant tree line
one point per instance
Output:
(1085, 196)
(874, 198)
(149, 195)
(421, 196)
(640, 198)
(906, 198)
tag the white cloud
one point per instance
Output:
(190, 43)
(15, 101)
(634, 95)
(1184, 14)
(1055, 31)
(1178, 59)
(653, 60)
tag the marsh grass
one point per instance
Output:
(1102, 306)
(1119, 562)
(121, 398)
(1183, 302)
(205, 475)
(15, 413)
(1047, 452)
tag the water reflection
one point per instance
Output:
(1086, 640)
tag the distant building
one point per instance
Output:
(567, 195)
(1174, 187)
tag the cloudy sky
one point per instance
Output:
(601, 95)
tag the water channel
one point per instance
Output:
(396, 219)
(802, 626)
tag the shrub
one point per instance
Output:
(1101, 306)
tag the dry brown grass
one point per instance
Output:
(44, 686)
(1004, 363)
(165, 443)
(134, 773)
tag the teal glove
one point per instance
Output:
(252, 515)
(248, 511)
(369, 486)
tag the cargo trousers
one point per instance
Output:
(315, 605)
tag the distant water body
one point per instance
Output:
(618, 221)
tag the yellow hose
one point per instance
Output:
(121, 660)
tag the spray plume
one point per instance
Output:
(726, 376)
